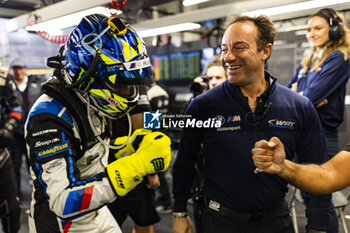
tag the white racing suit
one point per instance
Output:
(71, 187)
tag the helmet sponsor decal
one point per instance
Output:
(137, 64)
(113, 101)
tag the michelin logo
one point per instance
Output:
(53, 150)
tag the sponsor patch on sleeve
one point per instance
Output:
(53, 150)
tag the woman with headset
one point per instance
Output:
(323, 74)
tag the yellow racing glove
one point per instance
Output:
(132, 144)
(153, 155)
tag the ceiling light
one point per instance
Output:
(192, 2)
(70, 20)
(294, 7)
(292, 28)
(168, 29)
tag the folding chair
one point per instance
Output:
(339, 201)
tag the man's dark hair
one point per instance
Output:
(266, 30)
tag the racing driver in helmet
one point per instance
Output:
(96, 79)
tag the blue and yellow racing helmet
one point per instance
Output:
(106, 60)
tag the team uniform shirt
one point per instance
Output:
(229, 177)
(71, 187)
(328, 82)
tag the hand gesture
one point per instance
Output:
(269, 156)
(182, 225)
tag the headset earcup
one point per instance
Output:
(336, 31)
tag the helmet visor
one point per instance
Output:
(126, 91)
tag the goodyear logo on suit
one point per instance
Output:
(53, 150)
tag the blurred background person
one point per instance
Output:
(10, 115)
(159, 100)
(215, 72)
(322, 77)
(213, 75)
(29, 90)
(323, 74)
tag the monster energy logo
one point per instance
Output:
(84, 85)
(158, 164)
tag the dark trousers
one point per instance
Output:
(10, 210)
(214, 222)
(164, 193)
(333, 224)
(138, 204)
(333, 149)
(18, 150)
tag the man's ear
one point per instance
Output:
(267, 51)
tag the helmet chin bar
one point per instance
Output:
(86, 99)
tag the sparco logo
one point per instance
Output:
(282, 123)
(158, 164)
(113, 101)
(119, 180)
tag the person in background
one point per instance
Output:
(213, 75)
(139, 202)
(250, 106)
(322, 77)
(68, 130)
(215, 72)
(323, 74)
(270, 157)
(10, 116)
(159, 100)
(29, 91)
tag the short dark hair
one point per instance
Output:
(266, 30)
